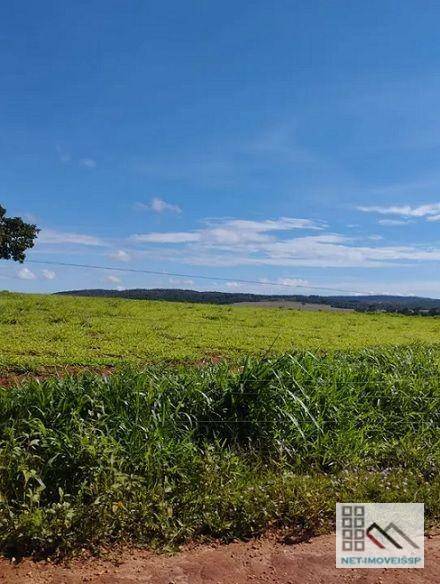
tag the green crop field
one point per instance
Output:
(40, 331)
(184, 452)
(306, 409)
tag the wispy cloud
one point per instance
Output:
(53, 237)
(113, 279)
(392, 222)
(158, 205)
(88, 163)
(281, 142)
(231, 231)
(292, 282)
(171, 237)
(120, 255)
(63, 155)
(236, 232)
(250, 159)
(277, 286)
(48, 275)
(26, 274)
(237, 242)
(404, 210)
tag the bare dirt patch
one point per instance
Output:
(11, 378)
(260, 561)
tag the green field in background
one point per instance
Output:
(37, 330)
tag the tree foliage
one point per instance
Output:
(16, 236)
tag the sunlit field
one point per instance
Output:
(215, 421)
(37, 331)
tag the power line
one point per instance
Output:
(195, 277)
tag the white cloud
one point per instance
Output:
(63, 155)
(26, 274)
(231, 231)
(51, 236)
(335, 251)
(87, 163)
(402, 287)
(120, 255)
(158, 205)
(113, 279)
(229, 235)
(238, 242)
(281, 224)
(404, 210)
(277, 286)
(392, 222)
(294, 282)
(323, 250)
(172, 237)
(49, 275)
(434, 218)
(241, 231)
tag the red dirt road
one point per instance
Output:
(262, 561)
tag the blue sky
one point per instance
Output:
(295, 142)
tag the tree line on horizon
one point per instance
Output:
(372, 303)
(17, 236)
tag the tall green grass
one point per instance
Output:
(167, 454)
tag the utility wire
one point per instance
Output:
(193, 276)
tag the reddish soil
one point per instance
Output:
(12, 378)
(261, 561)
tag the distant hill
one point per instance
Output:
(368, 303)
